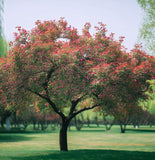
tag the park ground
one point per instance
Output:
(93, 143)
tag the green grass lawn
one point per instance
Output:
(88, 144)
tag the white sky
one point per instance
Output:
(122, 17)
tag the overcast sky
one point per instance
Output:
(122, 17)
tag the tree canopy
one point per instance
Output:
(3, 44)
(147, 31)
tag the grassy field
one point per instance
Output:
(88, 144)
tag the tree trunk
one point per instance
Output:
(63, 136)
(78, 124)
(123, 128)
(7, 123)
(15, 119)
(25, 124)
(88, 121)
(2, 123)
(108, 126)
(42, 126)
(34, 125)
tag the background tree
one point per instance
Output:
(121, 83)
(3, 52)
(3, 43)
(147, 31)
(151, 102)
(5, 65)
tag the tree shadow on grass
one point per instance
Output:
(142, 130)
(87, 131)
(13, 138)
(22, 131)
(90, 155)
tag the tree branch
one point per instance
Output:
(74, 104)
(38, 94)
(52, 104)
(146, 87)
(49, 73)
(83, 109)
(45, 84)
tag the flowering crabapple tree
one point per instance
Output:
(13, 101)
(121, 83)
(64, 69)
(5, 64)
(54, 69)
